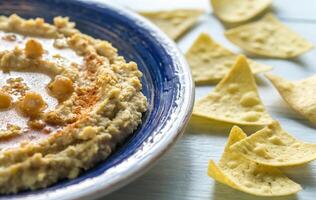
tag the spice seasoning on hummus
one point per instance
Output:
(66, 101)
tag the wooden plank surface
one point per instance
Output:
(181, 173)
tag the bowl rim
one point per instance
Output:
(179, 122)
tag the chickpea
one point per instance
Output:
(33, 49)
(61, 87)
(32, 104)
(5, 100)
(36, 124)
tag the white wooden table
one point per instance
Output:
(181, 173)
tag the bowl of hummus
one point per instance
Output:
(91, 95)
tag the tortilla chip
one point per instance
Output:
(273, 146)
(299, 95)
(235, 99)
(210, 62)
(174, 22)
(269, 37)
(247, 176)
(235, 11)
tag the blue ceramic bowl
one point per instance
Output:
(166, 82)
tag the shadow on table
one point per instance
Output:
(162, 181)
(201, 125)
(298, 174)
(301, 174)
(223, 192)
(233, 25)
(283, 110)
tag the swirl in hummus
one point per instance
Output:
(66, 101)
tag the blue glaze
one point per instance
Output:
(161, 81)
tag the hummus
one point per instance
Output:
(66, 101)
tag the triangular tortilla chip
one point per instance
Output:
(269, 37)
(235, 11)
(299, 95)
(247, 176)
(235, 99)
(273, 146)
(174, 22)
(210, 62)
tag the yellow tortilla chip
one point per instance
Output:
(237, 172)
(269, 37)
(174, 22)
(273, 146)
(210, 62)
(299, 95)
(235, 99)
(235, 11)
